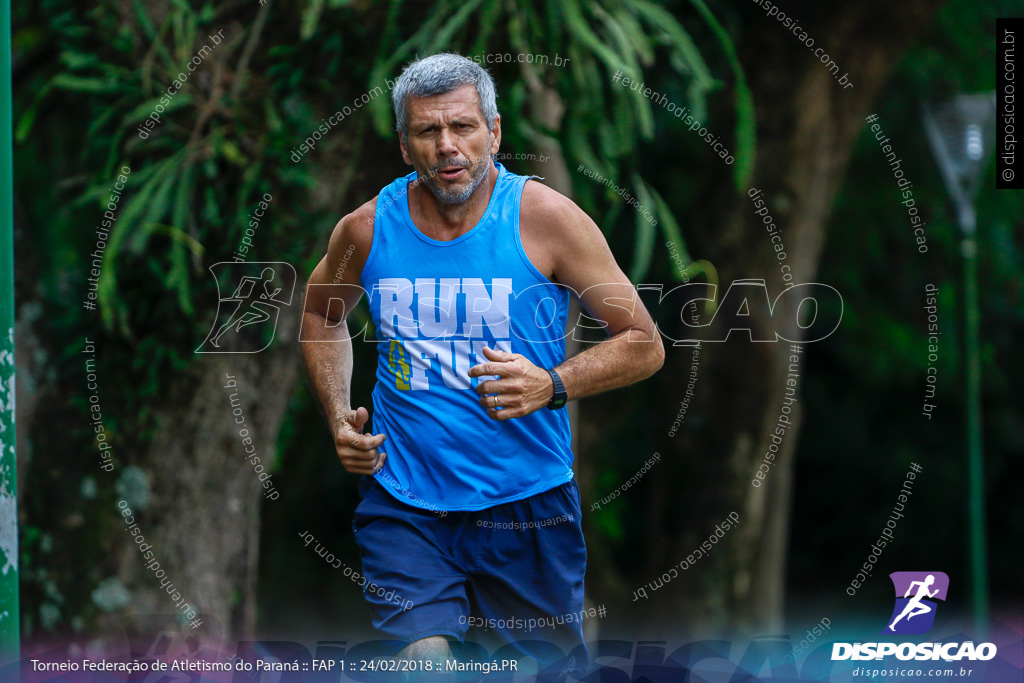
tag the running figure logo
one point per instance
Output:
(255, 303)
(916, 592)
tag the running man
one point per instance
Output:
(915, 606)
(468, 270)
(250, 307)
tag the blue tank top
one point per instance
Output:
(435, 305)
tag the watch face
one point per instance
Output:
(557, 401)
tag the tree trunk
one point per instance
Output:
(203, 518)
(807, 124)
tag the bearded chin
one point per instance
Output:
(452, 197)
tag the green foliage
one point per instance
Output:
(746, 136)
(226, 137)
(603, 122)
(100, 72)
(864, 397)
(182, 182)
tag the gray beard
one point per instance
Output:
(452, 197)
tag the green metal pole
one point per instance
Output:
(975, 456)
(9, 632)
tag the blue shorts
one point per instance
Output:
(513, 571)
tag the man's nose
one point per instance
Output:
(446, 144)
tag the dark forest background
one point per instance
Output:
(87, 75)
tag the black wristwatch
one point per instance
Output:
(560, 397)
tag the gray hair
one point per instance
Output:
(438, 74)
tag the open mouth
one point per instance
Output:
(451, 172)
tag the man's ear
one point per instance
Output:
(405, 150)
(496, 135)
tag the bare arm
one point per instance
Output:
(331, 293)
(580, 258)
(633, 350)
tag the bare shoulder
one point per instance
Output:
(543, 207)
(556, 231)
(348, 248)
(354, 231)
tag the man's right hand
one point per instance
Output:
(357, 451)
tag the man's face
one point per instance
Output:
(448, 143)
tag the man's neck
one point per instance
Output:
(445, 222)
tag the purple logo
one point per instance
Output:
(916, 593)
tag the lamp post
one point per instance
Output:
(960, 132)
(9, 643)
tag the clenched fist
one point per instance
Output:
(358, 452)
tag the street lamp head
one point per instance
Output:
(957, 131)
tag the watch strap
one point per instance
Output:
(560, 396)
